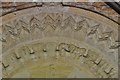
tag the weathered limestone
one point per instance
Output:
(55, 36)
(91, 59)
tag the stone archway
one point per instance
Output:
(59, 41)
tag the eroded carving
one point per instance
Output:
(69, 22)
(79, 25)
(17, 55)
(64, 47)
(91, 57)
(5, 65)
(92, 60)
(24, 26)
(116, 45)
(48, 21)
(105, 36)
(93, 29)
(108, 70)
(35, 23)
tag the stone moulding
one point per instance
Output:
(99, 8)
(96, 35)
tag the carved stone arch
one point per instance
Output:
(86, 43)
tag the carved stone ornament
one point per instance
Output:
(58, 42)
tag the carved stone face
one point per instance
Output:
(59, 43)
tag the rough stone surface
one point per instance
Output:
(95, 6)
(59, 42)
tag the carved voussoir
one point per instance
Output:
(92, 55)
(98, 60)
(108, 69)
(24, 26)
(105, 36)
(71, 47)
(49, 21)
(75, 43)
(17, 55)
(3, 39)
(5, 65)
(93, 30)
(35, 23)
(115, 46)
(80, 25)
(64, 47)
